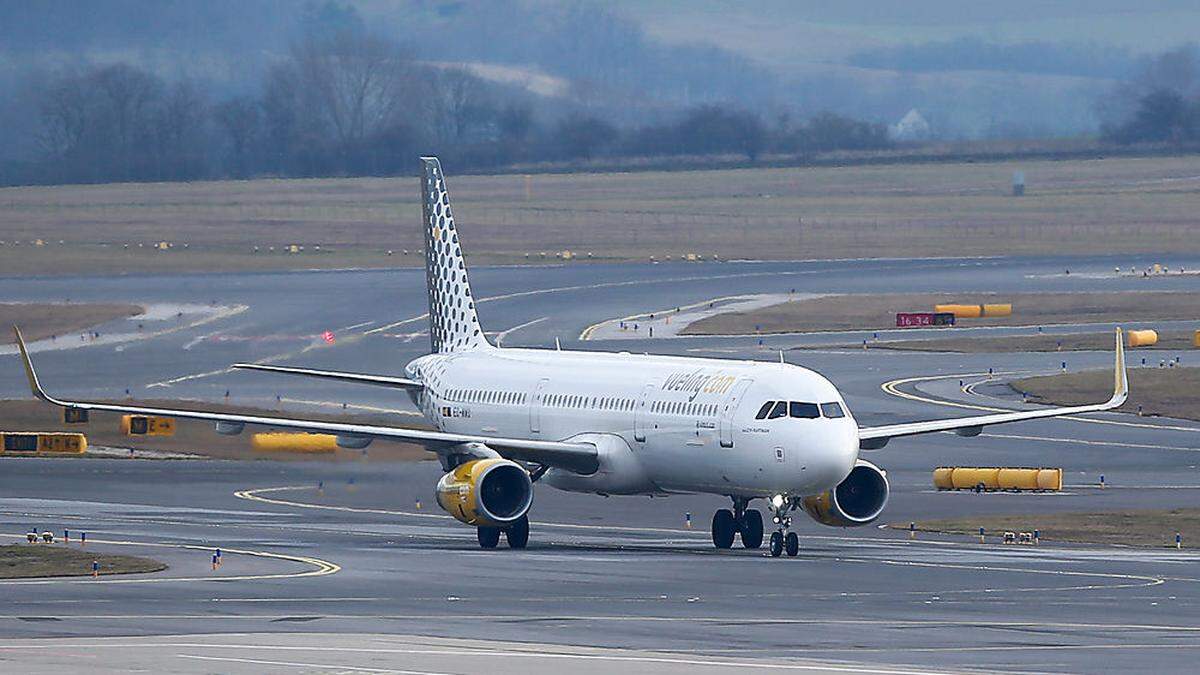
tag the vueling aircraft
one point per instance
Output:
(612, 423)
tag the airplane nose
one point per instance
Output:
(841, 455)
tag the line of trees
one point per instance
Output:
(1160, 103)
(1162, 116)
(352, 103)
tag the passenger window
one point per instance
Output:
(807, 411)
(766, 408)
(780, 410)
(832, 410)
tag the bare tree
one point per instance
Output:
(580, 137)
(66, 111)
(457, 101)
(127, 95)
(354, 81)
(177, 133)
(240, 119)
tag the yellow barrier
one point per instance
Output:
(284, 442)
(1196, 339)
(960, 311)
(142, 425)
(967, 478)
(1142, 338)
(974, 311)
(997, 478)
(54, 442)
(942, 478)
(1018, 479)
(1049, 479)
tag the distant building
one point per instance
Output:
(911, 127)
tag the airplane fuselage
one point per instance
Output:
(664, 423)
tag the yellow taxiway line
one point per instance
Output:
(893, 387)
(321, 567)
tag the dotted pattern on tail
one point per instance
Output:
(453, 324)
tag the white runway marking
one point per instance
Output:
(122, 340)
(1080, 441)
(509, 296)
(376, 599)
(1123, 580)
(543, 653)
(502, 335)
(323, 666)
(691, 663)
(612, 618)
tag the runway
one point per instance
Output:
(355, 577)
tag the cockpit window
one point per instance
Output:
(803, 410)
(762, 412)
(832, 410)
(780, 410)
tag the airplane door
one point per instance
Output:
(641, 414)
(535, 406)
(729, 407)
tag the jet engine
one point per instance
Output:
(489, 492)
(857, 500)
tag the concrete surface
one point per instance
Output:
(354, 577)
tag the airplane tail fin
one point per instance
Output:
(453, 324)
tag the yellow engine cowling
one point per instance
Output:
(857, 500)
(488, 492)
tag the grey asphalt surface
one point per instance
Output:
(364, 574)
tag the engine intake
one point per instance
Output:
(857, 500)
(489, 492)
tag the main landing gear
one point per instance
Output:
(741, 520)
(782, 539)
(517, 534)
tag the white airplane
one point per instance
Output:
(612, 423)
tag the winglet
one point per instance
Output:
(1121, 375)
(34, 386)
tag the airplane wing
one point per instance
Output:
(356, 378)
(577, 457)
(873, 438)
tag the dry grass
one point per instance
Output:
(199, 437)
(23, 561)
(870, 312)
(1125, 205)
(38, 320)
(1149, 529)
(1170, 392)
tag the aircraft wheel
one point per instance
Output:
(752, 529)
(517, 534)
(489, 537)
(776, 544)
(724, 527)
(792, 544)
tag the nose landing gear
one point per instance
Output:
(782, 539)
